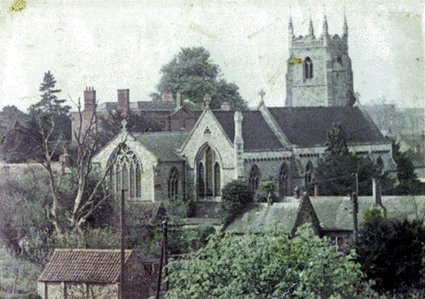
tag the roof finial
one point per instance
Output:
(124, 125)
(310, 28)
(262, 93)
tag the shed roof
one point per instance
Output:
(84, 265)
(335, 212)
(262, 217)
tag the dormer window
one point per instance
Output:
(308, 68)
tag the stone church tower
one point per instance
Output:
(319, 68)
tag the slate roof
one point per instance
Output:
(262, 217)
(256, 134)
(84, 265)
(168, 106)
(334, 212)
(307, 126)
(163, 144)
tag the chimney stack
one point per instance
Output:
(89, 99)
(123, 101)
(179, 101)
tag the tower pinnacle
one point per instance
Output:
(290, 25)
(345, 28)
(325, 25)
(310, 28)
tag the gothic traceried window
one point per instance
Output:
(283, 180)
(309, 173)
(254, 178)
(308, 68)
(126, 173)
(208, 171)
(173, 184)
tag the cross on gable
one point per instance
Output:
(124, 124)
(262, 93)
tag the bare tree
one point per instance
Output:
(85, 202)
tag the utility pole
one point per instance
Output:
(122, 246)
(163, 249)
(357, 183)
(165, 232)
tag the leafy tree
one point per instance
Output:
(18, 278)
(236, 195)
(193, 74)
(390, 252)
(335, 170)
(267, 266)
(407, 179)
(22, 213)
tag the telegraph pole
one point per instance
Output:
(122, 246)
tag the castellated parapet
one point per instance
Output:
(319, 69)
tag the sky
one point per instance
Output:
(114, 44)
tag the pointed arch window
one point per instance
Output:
(126, 172)
(308, 68)
(173, 184)
(309, 174)
(208, 173)
(254, 178)
(283, 181)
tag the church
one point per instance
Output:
(282, 144)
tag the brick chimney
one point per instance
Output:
(89, 99)
(123, 101)
(225, 106)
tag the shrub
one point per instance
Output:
(236, 195)
(262, 193)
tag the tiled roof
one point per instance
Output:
(256, 134)
(84, 265)
(163, 144)
(334, 212)
(307, 126)
(263, 217)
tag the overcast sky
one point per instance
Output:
(112, 44)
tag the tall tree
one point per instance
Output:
(193, 74)
(408, 182)
(335, 170)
